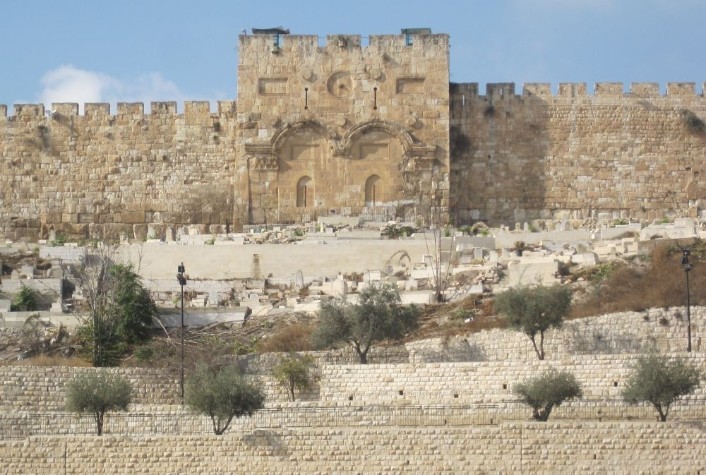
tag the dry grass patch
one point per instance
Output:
(293, 337)
(54, 360)
(659, 283)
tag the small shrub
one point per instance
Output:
(480, 228)
(26, 300)
(32, 335)
(292, 373)
(59, 240)
(144, 353)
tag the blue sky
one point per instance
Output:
(145, 50)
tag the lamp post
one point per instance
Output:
(686, 265)
(181, 277)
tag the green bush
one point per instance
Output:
(26, 300)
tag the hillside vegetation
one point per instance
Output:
(653, 280)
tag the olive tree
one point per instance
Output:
(98, 393)
(377, 316)
(222, 394)
(661, 380)
(534, 310)
(544, 392)
(292, 373)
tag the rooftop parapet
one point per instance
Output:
(343, 41)
(283, 42)
(613, 89)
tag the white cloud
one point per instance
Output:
(69, 84)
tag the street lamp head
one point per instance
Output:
(686, 265)
(181, 277)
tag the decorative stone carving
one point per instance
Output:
(263, 162)
(375, 74)
(340, 84)
(308, 74)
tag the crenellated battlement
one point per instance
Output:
(137, 109)
(281, 42)
(614, 89)
(580, 89)
(472, 89)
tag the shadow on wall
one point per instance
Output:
(498, 147)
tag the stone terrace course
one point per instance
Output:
(455, 417)
(577, 447)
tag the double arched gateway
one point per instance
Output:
(309, 170)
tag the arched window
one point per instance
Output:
(305, 195)
(372, 190)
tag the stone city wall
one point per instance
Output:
(610, 447)
(614, 154)
(351, 129)
(99, 174)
